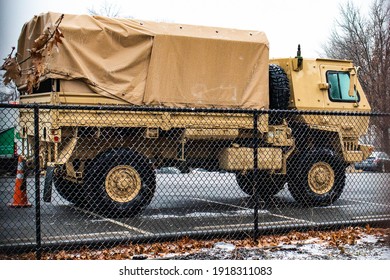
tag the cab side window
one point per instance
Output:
(339, 87)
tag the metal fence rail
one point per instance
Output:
(105, 175)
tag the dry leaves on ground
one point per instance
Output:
(336, 238)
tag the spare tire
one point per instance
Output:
(279, 89)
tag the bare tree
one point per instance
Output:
(106, 9)
(365, 39)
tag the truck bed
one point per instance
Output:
(137, 118)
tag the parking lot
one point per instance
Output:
(189, 204)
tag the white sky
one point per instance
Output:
(286, 23)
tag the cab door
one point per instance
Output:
(340, 92)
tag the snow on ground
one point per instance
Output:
(368, 247)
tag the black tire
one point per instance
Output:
(121, 183)
(316, 178)
(268, 185)
(69, 190)
(279, 89)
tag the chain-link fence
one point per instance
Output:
(107, 175)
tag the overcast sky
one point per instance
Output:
(286, 23)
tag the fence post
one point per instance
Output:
(256, 173)
(37, 184)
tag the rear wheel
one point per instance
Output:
(120, 183)
(268, 185)
(317, 178)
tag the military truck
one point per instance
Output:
(106, 158)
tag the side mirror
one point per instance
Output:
(353, 79)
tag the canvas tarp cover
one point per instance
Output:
(162, 64)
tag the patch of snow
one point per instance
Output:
(224, 246)
(368, 239)
(314, 249)
(208, 214)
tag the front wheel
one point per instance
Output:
(317, 178)
(121, 183)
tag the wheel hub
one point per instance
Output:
(321, 178)
(123, 183)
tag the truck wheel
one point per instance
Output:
(279, 89)
(121, 183)
(318, 178)
(268, 185)
(69, 190)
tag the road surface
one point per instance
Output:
(187, 204)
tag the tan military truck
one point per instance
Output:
(106, 158)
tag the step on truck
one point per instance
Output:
(106, 159)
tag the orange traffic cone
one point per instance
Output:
(20, 193)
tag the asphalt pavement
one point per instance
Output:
(188, 204)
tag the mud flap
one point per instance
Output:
(48, 187)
